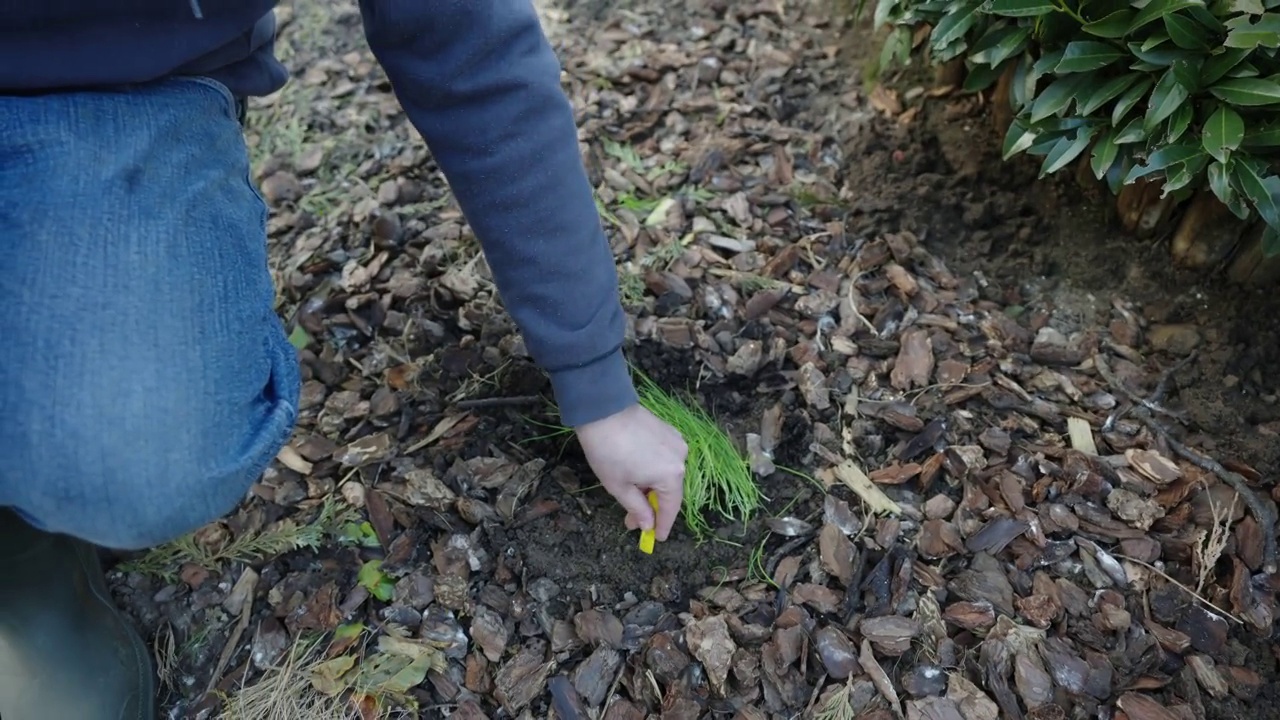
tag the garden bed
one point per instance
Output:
(975, 513)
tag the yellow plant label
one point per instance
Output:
(647, 536)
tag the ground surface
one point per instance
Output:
(843, 269)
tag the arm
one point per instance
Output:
(480, 82)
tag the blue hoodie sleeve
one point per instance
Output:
(481, 83)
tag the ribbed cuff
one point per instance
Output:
(594, 392)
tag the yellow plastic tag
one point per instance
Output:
(647, 536)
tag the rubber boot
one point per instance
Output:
(66, 652)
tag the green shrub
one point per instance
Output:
(1176, 90)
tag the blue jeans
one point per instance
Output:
(145, 380)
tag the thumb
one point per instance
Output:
(637, 507)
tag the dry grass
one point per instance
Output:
(1211, 543)
(285, 692)
(836, 704)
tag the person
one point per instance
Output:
(145, 381)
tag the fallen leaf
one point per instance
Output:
(857, 481)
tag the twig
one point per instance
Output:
(771, 565)
(1162, 387)
(1152, 403)
(1180, 586)
(493, 402)
(1143, 409)
(853, 303)
(1261, 512)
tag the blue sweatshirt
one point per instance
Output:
(479, 81)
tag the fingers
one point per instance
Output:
(639, 514)
(670, 494)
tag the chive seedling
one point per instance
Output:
(717, 475)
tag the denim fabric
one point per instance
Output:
(145, 381)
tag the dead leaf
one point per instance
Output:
(857, 481)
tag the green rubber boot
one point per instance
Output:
(66, 652)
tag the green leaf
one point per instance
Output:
(1197, 163)
(347, 631)
(1088, 55)
(1129, 99)
(1131, 133)
(1020, 8)
(1217, 66)
(1020, 89)
(1186, 33)
(375, 581)
(1017, 139)
(981, 77)
(1188, 73)
(1057, 96)
(1047, 62)
(1247, 92)
(1106, 92)
(1220, 183)
(1177, 178)
(881, 16)
(954, 25)
(1270, 242)
(1044, 144)
(1158, 51)
(1206, 18)
(1223, 132)
(1263, 191)
(1250, 36)
(1245, 69)
(950, 51)
(896, 47)
(1155, 9)
(300, 338)
(1062, 125)
(1115, 176)
(1067, 149)
(1168, 94)
(1153, 41)
(1165, 157)
(395, 676)
(1262, 136)
(999, 44)
(1115, 25)
(1104, 153)
(1179, 121)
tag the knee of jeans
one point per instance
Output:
(128, 493)
(130, 471)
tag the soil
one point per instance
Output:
(1050, 245)
(1047, 244)
(1037, 248)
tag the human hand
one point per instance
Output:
(633, 452)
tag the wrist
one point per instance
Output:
(593, 392)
